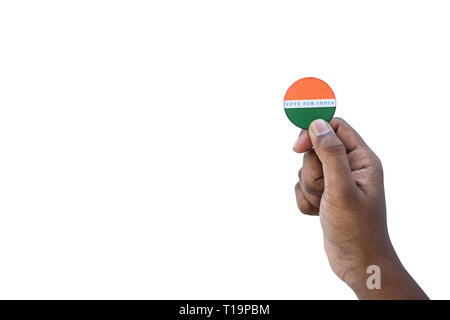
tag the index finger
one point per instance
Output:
(303, 142)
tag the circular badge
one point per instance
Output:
(309, 99)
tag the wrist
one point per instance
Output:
(373, 275)
(384, 277)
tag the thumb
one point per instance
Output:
(331, 152)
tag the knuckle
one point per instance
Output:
(375, 162)
(306, 208)
(297, 187)
(378, 166)
(338, 120)
(313, 185)
(310, 155)
(303, 205)
(300, 174)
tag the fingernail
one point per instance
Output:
(319, 127)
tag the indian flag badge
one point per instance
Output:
(309, 99)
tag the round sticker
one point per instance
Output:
(309, 99)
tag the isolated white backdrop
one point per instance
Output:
(145, 153)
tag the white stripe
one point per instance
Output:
(317, 103)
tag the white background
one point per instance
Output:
(145, 153)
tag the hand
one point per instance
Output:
(342, 181)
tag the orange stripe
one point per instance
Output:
(309, 88)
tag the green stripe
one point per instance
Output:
(302, 117)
